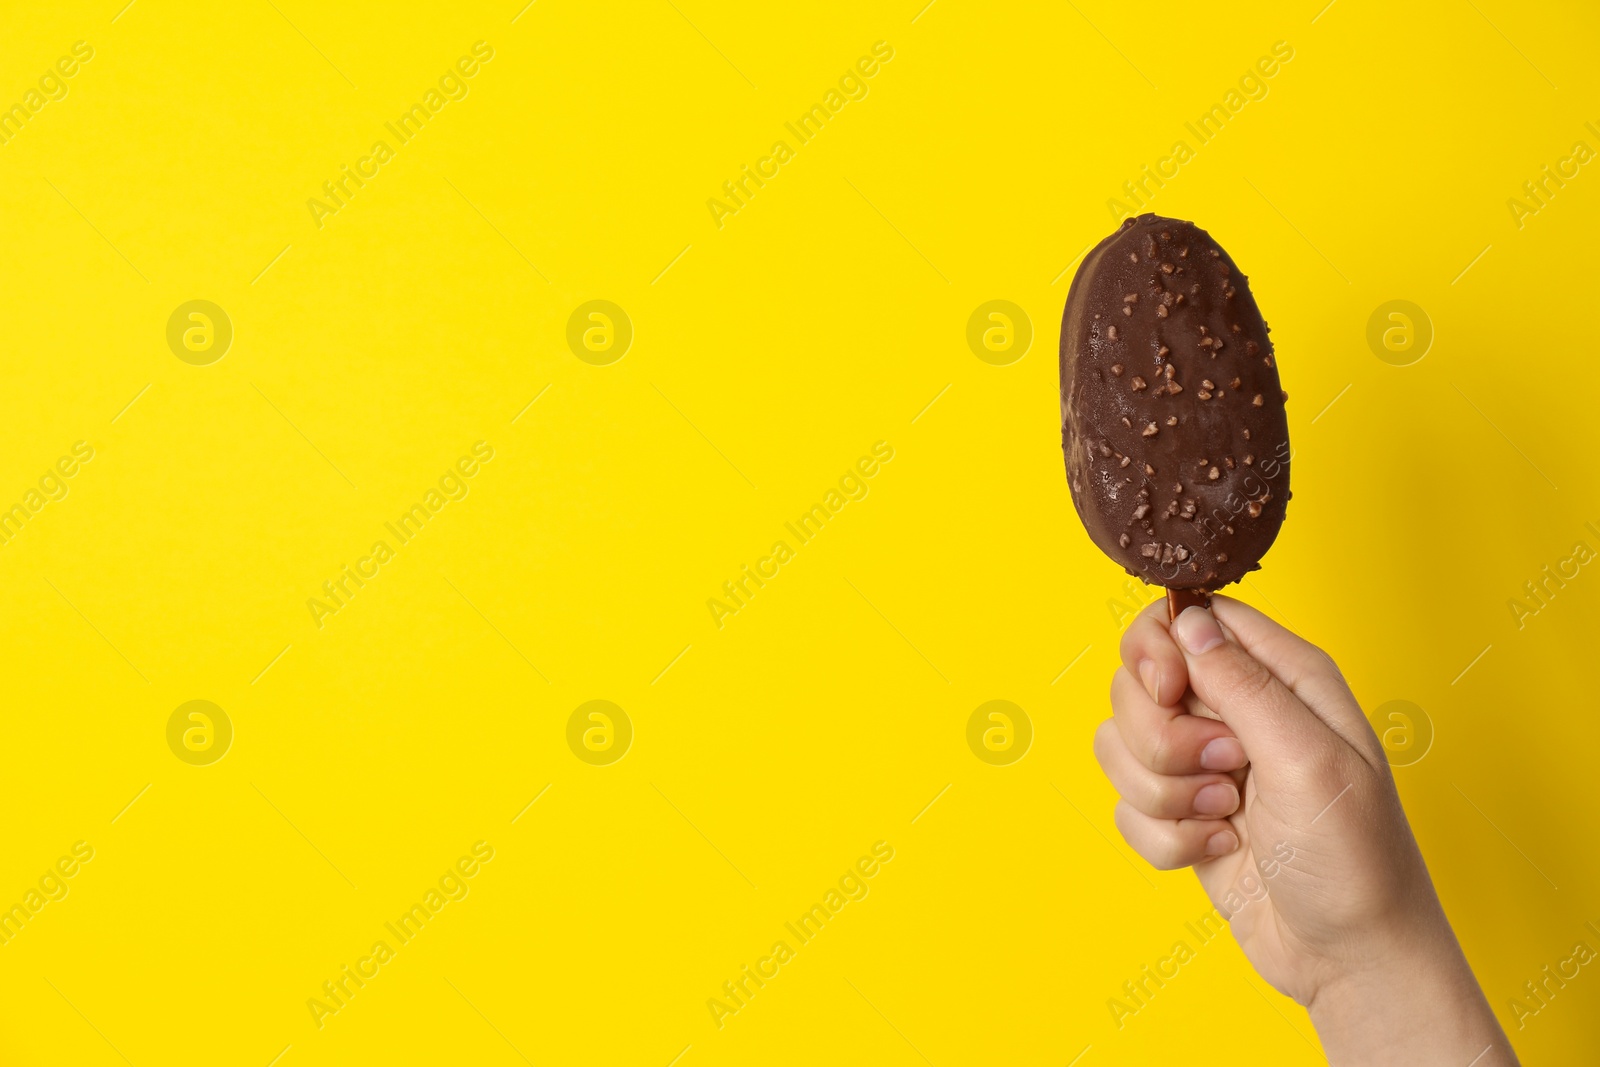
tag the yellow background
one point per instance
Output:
(768, 355)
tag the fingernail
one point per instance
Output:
(1150, 675)
(1218, 798)
(1221, 843)
(1197, 631)
(1223, 754)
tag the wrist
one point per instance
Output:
(1413, 999)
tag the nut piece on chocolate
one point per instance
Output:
(1172, 415)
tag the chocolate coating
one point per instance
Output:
(1172, 417)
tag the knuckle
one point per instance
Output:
(1138, 639)
(1164, 798)
(1121, 815)
(1315, 660)
(1244, 681)
(1167, 854)
(1133, 637)
(1160, 750)
(1126, 645)
(1103, 741)
(1332, 668)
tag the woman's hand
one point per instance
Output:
(1239, 750)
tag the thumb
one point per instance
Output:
(1279, 733)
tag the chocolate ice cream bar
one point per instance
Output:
(1172, 416)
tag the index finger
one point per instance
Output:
(1151, 656)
